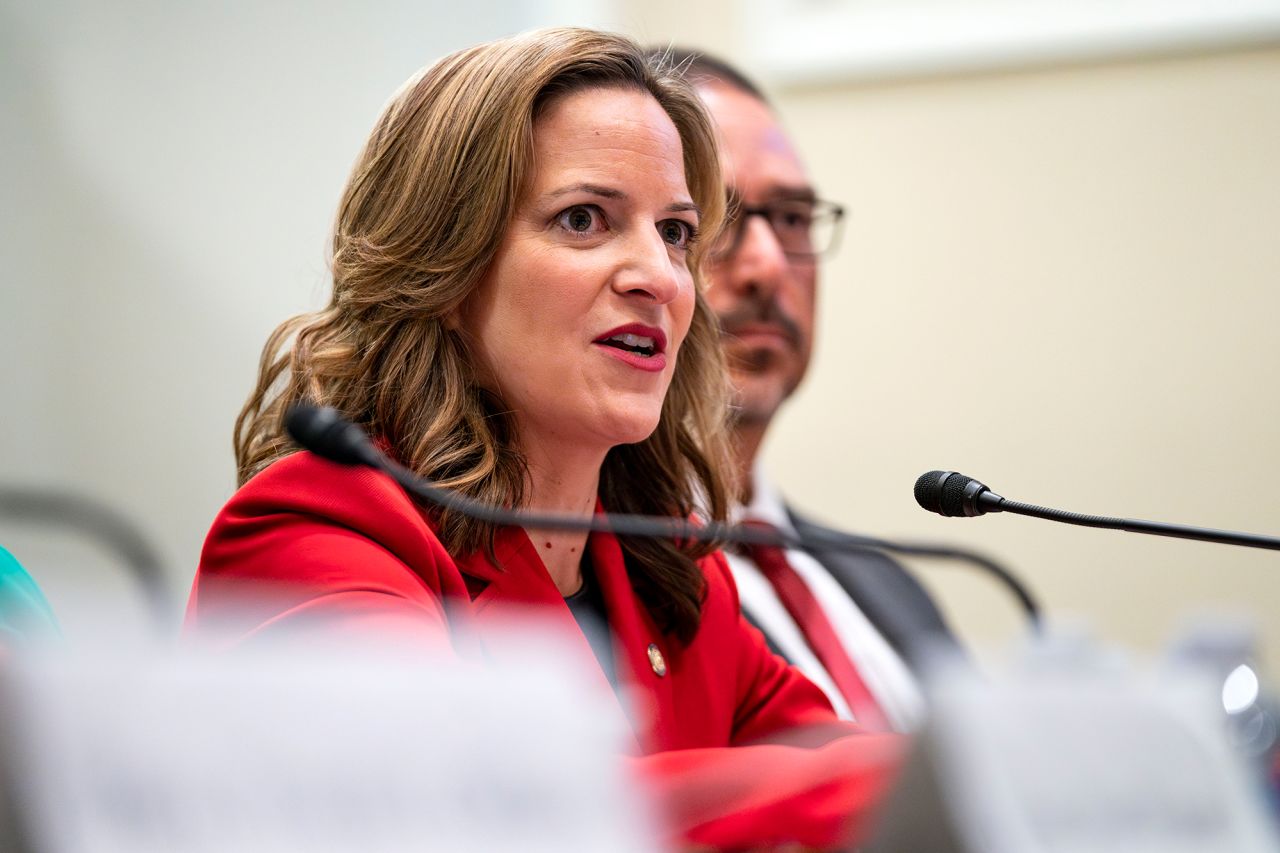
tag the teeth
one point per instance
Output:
(634, 340)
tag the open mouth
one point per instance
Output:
(636, 340)
(640, 344)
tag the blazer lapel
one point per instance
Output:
(517, 588)
(634, 636)
(516, 577)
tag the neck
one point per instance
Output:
(747, 441)
(564, 481)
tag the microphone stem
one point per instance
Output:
(1179, 531)
(325, 432)
(109, 527)
(676, 528)
(1015, 586)
(616, 523)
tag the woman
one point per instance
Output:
(517, 315)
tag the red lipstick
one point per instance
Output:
(640, 346)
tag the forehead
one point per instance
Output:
(757, 155)
(608, 134)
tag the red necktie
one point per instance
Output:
(800, 602)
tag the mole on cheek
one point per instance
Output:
(548, 544)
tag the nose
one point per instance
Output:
(650, 270)
(758, 266)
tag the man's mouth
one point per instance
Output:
(759, 321)
(749, 333)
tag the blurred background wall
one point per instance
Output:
(1058, 275)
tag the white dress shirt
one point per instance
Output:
(882, 669)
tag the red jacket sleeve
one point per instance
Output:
(310, 546)
(761, 796)
(766, 788)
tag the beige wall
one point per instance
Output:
(1058, 280)
(169, 176)
(1063, 281)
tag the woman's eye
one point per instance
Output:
(580, 219)
(676, 232)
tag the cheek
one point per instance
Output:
(800, 303)
(717, 292)
(512, 298)
(496, 319)
(682, 308)
(718, 299)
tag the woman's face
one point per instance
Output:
(580, 318)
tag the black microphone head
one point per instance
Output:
(325, 432)
(949, 493)
(955, 490)
(929, 489)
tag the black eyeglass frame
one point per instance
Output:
(739, 214)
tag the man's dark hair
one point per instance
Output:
(700, 67)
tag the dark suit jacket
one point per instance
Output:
(890, 597)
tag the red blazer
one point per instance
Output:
(314, 545)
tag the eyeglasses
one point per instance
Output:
(805, 229)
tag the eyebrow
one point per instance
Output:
(612, 193)
(594, 189)
(682, 206)
(795, 192)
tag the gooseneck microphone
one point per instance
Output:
(103, 523)
(953, 494)
(324, 432)
(948, 493)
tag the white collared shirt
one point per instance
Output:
(881, 668)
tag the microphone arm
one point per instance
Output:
(1006, 578)
(953, 494)
(323, 431)
(1134, 525)
(103, 523)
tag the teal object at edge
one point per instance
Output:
(25, 614)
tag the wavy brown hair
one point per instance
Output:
(421, 218)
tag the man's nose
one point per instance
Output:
(759, 265)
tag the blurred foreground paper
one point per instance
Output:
(288, 752)
(1075, 750)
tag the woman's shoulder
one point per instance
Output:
(303, 497)
(307, 541)
(305, 482)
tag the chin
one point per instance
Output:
(757, 398)
(631, 427)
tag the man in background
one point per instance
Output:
(854, 623)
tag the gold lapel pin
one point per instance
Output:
(657, 661)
